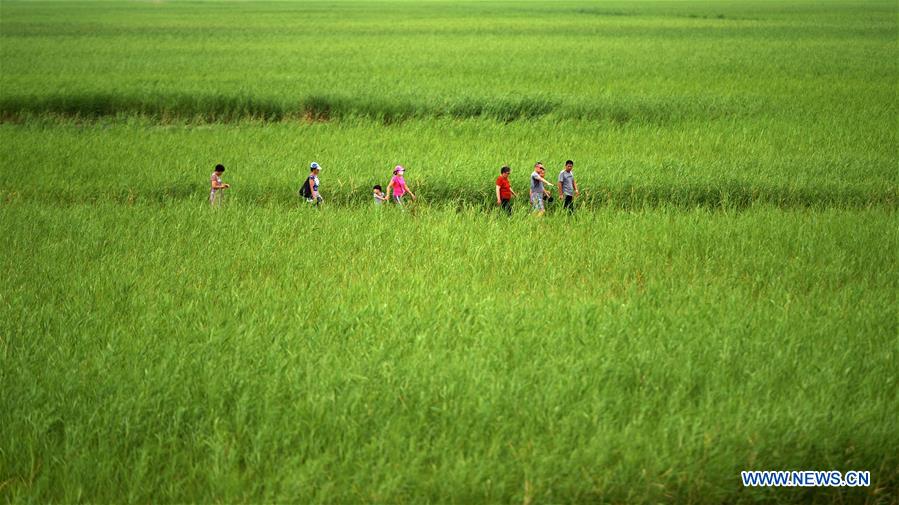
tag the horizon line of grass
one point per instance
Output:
(731, 196)
(175, 107)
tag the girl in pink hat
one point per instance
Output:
(398, 186)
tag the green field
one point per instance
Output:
(724, 299)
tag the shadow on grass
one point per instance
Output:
(312, 108)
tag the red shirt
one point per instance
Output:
(505, 191)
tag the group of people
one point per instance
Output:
(309, 189)
(397, 185)
(539, 195)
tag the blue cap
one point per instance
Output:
(313, 166)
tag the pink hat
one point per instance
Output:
(399, 168)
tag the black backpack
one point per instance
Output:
(305, 190)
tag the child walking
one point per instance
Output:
(216, 186)
(309, 189)
(398, 186)
(378, 194)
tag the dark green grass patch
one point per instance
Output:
(179, 108)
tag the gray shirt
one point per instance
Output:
(536, 183)
(566, 182)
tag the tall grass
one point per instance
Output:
(260, 354)
(199, 108)
(724, 300)
(451, 162)
(832, 62)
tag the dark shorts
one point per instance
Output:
(506, 205)
(569, 203)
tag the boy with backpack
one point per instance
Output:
(309, 189)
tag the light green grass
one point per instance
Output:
(254, 354)
(451, 162)
(617, 61)
(724, 300)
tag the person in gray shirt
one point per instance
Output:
(568, 187)
(537, 189)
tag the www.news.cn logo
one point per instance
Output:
(808, 478)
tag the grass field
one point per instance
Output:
(724, 299)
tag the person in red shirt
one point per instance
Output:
(504, 191)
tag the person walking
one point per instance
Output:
(309, 189)
(504, 191)
(378, 195)
(398, 186)
(537, 188)
(568, 187)
(216, 185)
